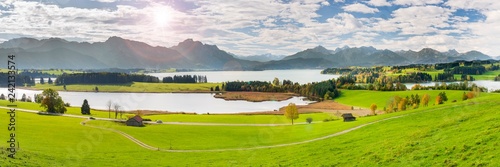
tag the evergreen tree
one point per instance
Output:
(85, 109)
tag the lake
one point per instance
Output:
(194, 102)
(174, 102)
(300, 76)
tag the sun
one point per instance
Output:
(161, 16)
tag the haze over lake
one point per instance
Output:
(300, 76)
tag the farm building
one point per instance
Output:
(348, 117)
(134, 121)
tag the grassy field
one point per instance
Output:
(202, 118)
(60, 72)
(466, 133)
(433, 73)
(51, 72)
(364, 98)
(135, 87)
(489, 75)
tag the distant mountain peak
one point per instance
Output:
(321, 49)
(190, 41)
(428, 50)
(115, 38)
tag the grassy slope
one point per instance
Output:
(433, 73)
(463, 133)
(134, 87)
(489, 75)
(364, 98)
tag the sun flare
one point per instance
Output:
(161, 16)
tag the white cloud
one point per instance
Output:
(474, 4)
(416, 43)
(378, 3)
(361, 8)
(416, 2)
(106, 1)
(344, 23)
(419, 20)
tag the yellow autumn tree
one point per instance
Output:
(291, 112)
(402, 104)
(373, 108)
(439, 100)
(425, 100)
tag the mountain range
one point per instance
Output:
(261, 58)
(117, 52)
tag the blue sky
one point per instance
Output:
(250, 27)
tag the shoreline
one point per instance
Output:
(192, 91)
(255, 96)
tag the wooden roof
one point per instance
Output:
(137, 118)
(347, 115)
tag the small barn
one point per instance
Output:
(134, 121)
(348, 117)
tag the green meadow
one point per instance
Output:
(489, 75)
(465, 133)
(364, 98)
(134, 87)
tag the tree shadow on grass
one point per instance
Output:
(48, 114)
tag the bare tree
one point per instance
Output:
(109, 104)
(117, 107)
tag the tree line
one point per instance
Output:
(185, 79)
(315, 91)
(37, 74)
(451, 86)
(472, 70)
(20, 80)
(103, 78)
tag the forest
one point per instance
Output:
(103, 78)
(314, 91)
(185, 79)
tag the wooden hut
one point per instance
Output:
(134, 121)
(348, 117)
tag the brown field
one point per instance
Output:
(255, 96)
(331, 107)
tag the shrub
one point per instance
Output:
(328, 119)
(309, 120)
(66, 104)
(146, 119)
